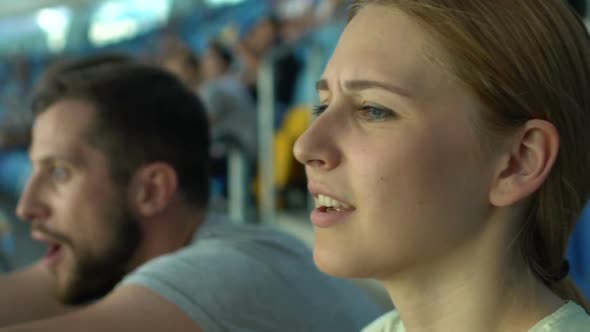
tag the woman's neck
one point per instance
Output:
(463, 292)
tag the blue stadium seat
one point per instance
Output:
(579, 252)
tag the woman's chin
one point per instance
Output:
(339, 265)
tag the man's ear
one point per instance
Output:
(526, 164)
(152, 188)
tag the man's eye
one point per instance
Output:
(59, 174)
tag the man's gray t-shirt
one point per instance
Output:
(253, 278)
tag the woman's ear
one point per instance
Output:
(527, 164)
(152, 188)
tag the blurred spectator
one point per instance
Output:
(255, 44)
(14, 137)
(15, 120)
(301, 17)
(232, 111)
(15, 127)
(15, 91)
(184, 64)
(215, 61)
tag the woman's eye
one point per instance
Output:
(373, 113)
(368, 112)
(318, 110)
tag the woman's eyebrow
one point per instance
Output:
(358, 85)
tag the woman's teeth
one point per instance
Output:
(325, 201)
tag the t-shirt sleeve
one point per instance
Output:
(213, 284)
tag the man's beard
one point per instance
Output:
(94, 276)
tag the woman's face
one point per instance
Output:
(395, 142)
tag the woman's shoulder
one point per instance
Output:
(389, 322)
(568, 318)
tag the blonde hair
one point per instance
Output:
(525, 59)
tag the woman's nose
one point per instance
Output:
(317, 146)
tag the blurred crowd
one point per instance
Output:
(222, 68)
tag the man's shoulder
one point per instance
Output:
(265, 271)
(221, 244)
(219, 229)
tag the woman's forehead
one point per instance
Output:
(384, 44)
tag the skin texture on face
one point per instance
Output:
(395, 139)
(74, 206)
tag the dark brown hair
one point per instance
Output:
(144, 114)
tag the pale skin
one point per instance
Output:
(68, 192)
(434, 214)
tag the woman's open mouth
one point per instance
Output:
(329, 212)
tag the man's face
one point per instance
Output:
(75, 207)
(261, 36)
(178, 66)
(212, 66)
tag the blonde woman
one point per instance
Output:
(450, 158)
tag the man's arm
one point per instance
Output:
(26, 295)
(127, 308)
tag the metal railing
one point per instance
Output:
(266, 119)
(237, 177)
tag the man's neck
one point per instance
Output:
(167, 233)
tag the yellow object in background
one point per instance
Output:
(286, 168)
